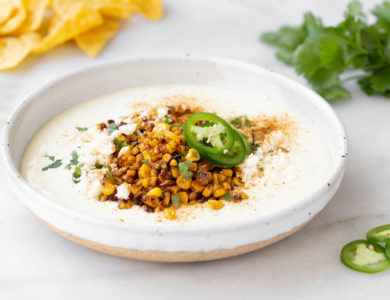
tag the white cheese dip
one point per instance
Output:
(274, 178)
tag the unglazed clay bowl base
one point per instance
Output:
(182, 256)
(156, 242)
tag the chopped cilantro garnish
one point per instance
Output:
(147, 163)
(110, 177)
(261, 169)
(229, 196)
(241, 121)
(75, 158)
(134, 143)
(183, 168)
(166, 120)
(112, 127)
(76, 175)
(52, 158)
(176, 200)
(53, 165)
(119, 144)
(82, 128)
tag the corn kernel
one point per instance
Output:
(155, 192)
(108, 189)
(174, 137)
(237, 182)
(147, 155)
(170, 213)
(226, 186)
(219, 193)
(125, 205)
(227, 172)
(192, 155)
(167, 157)
(173, 163)
(135, 150)
(207, 191)
(221, 178)
(166, 199)
(175, 172)
(185, 184)
(153, 142)
(144, 171)
(196, 186)
(215, 178)
(192, 196)
(244, 195)
(145, 182)
(183, 197)
(215, 204)
(152, 201)
(171, 146)
(134, 189)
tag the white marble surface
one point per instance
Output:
(36, 263)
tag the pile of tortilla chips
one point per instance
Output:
(36, 26)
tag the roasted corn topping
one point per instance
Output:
(154, 167)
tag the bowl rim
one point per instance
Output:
(18, 181)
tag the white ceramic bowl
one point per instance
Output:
(157, 242)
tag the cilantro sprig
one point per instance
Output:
(324, 54)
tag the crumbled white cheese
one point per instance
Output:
(162, 112)
(123, 151)
(96, 149)
(124, 129)
(94, 189)
(122, 191)
(225, 151)
(250, 167)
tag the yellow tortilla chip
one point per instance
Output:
(14, 49)
(35, 13)
(16, 18)
(152, 10)
(69, 20)
(93, 41)
(7, 6)
(119, 9)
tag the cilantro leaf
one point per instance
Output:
(51, 157)
(82, 128)
(110, 177)
(229, 196)
(112, 127)
(53, 165)
(76, 175)
(183, 168)
(119, 144)
(176, 200)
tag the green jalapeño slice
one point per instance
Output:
(379, 234)
(214, 139)
(364, 256)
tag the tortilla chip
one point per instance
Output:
(35, 13)
(7, 6)
(119, 9)
(16, 19)
(69, 20)
(14, 49)
(152, 10)
(93, 41)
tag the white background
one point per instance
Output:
(36, 263)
